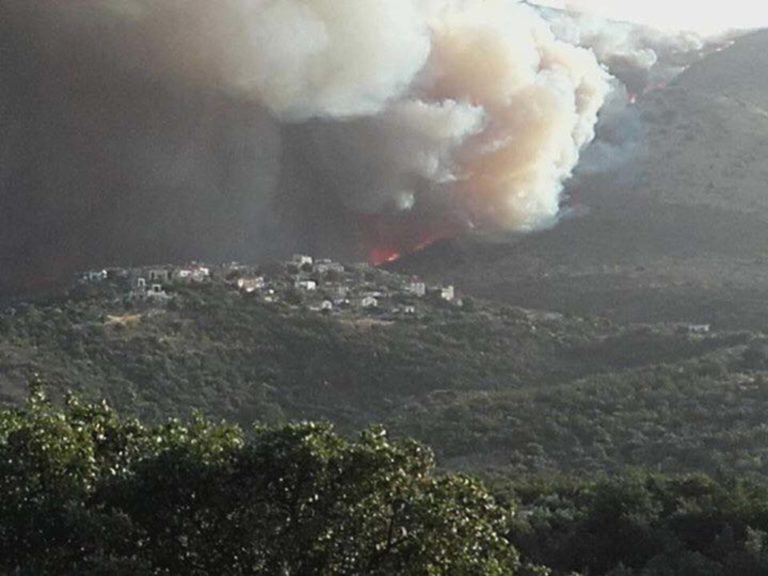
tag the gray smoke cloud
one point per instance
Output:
(144, 130)
(639, 57)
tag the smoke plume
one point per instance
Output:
(145, 130)
(640, 57)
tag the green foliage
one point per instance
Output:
(486, 386)
(646, 525)
(693, 416)
(88, 492)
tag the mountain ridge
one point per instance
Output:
(677, 232)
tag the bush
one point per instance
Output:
(88, 492)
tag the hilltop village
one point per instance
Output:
(319, 285)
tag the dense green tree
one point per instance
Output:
(646, 525)
(497, 386)
(88, 492)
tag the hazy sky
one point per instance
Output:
(703, 15)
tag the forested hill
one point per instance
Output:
(489, 386)
(676, 233)
(87, 491)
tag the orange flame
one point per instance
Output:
(379, 256)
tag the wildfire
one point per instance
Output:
(430, 238)
(391, 236)
(379, 256)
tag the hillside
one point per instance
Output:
(491, 387)
(676, 233)
(89, 491)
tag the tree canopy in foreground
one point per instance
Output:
(86, 491)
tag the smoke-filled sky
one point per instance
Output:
(708, 17)
(145, 130)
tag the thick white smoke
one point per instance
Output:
(639, 56)
(335, 58)
(473, 111)
(541, 97)
(476, 95)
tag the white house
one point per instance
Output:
(447, 293)
(327, 265)
(159, 275)
(410, 310)
(326, 306)
(416, 288)
(308, 285)
(201, 273)
(141, 291)
(699, 329)
(95, 275)
(300, 260)
(193, 274)
(156, 291)
(250, 285)
(369, 302)
(138, 289)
